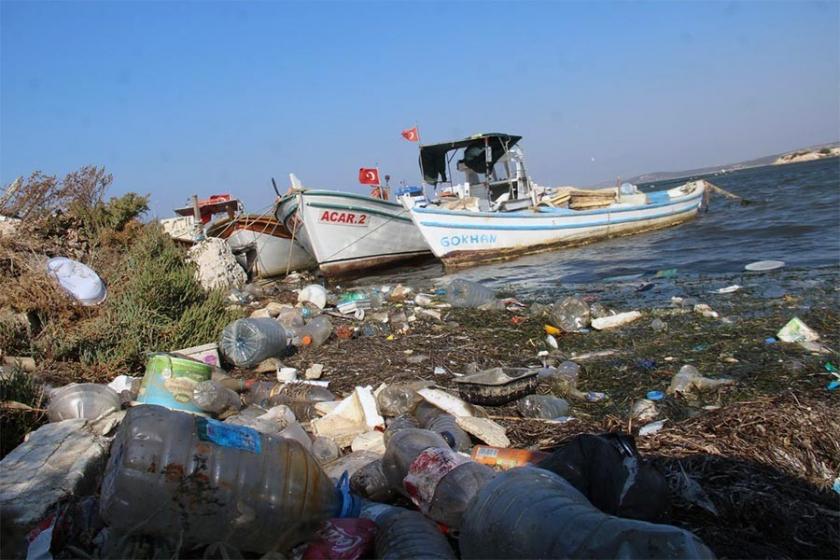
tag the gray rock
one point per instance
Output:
(59, 460)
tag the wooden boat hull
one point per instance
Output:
(348, 233)
(273, 253)
(463, 238)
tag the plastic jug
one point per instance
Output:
(247, 342)
(397, 424)
(405, 535)
(533, 513)
(370, 483)
(403, 447)
(172, 474)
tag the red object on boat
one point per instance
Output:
(207, 207)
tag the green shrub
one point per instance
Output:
(17, 386)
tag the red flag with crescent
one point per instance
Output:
(369, 176)
(411, 134)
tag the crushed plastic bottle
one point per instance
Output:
(533, 513)
(173, 474)
(405, 534)
(564, 380)
(400, 398)
(215, 398)
(688, 379)
(269, 393)
(542, 406)
(247, 342)
(463, 293)
(446, 425)
(370, 483)
(571, 315)
(325, 450)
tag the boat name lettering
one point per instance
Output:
(468, 239)
(344, 218)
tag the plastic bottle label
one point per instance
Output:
(229, 435)
(425, 473)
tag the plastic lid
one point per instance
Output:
(77, 279)
(306, 340)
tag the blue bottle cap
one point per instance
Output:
(655, 395)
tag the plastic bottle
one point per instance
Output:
(325, 450)
(400, 398)
(397, 424)
(314, 333)
(173, 474)
(370, 483)
(463, 293)
(442, 483)
(564, 380)
(403, 447)
(291, 317)
(269, 393)
(425, 411)
(404, 535)
(533, 513)
(542, 406)
(570, 315)
(247, 342)
(448, 428)
(215, 398)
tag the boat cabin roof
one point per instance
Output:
(433, 160)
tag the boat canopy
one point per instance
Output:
(433, 157)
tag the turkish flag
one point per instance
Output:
(411, 134)
(369, 176)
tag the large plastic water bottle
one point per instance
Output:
(247, 342)
(397, 424)
(406, 535)
(542, 406)
(173, 474)
(533, 513)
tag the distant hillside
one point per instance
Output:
(805, 154)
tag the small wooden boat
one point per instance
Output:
(509, 215)
(348, 233)
(262, 244)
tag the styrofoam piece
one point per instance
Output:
(614, 321)
(484, 429)
(369, 441)
(447, 402)
(354, 415)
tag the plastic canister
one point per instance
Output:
(169, 381)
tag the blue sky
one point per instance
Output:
(181, 98)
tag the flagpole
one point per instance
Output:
(419, 156)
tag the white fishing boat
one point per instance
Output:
(499, 213)
(347, 232)
(262, 245)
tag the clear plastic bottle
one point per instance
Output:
(291, 317)
(400, 398)
(270, 393)
(172, 474)
(570, 315)
(533, 513)
(314, 333)
(397, 424)
(370, 483)
(405, 535)
(325, 450)
(463, 293)
(448, 428)
(247, 342)
(542, 406)
(215, 398)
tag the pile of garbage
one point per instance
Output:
(243, 446)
